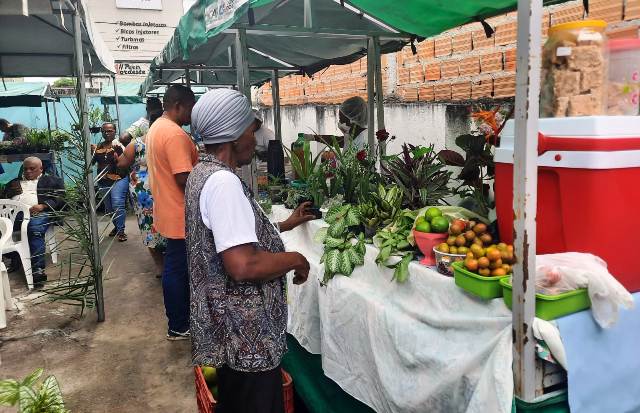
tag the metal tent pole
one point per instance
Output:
(249, 172)
(187, 77)
(46, 109)
(275, 96)
(93, 219)
(379, 93)
(371, 77)
(525, 181)
(115, 93)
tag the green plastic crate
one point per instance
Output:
(556, 402)
(483, 287)
(550, 307)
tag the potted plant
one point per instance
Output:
(421, 175)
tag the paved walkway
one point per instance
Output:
(124, 364)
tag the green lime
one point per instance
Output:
(422, 225)
(439, 224)
(432, 213)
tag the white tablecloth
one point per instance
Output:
(422, 346)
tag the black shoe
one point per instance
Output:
(39, 279)
(175, 335)
(113, 232)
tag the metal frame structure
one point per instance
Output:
(525, 185)
(238, 62)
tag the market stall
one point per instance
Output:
(42, 143)
(366, 328)
(73, 48)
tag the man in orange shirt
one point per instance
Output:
(170, 157)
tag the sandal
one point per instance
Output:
(122, 237)
(113, 232)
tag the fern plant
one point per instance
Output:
(30, 397)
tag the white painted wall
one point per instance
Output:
(418, 124)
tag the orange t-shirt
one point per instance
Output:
(169, 151)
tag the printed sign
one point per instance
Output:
(139, 4)
(220, 11)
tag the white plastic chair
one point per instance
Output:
(6, 229)
(52, 244)
(10, 209)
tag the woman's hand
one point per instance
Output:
(299, 216)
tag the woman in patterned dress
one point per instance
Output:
(140, 192)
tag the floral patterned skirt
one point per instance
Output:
(142, 201)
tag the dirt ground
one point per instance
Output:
(123, 364)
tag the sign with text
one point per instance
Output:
(220, 11)
(139, 4)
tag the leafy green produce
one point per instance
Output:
(394, 240)
(342, 253)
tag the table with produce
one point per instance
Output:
(406, 292)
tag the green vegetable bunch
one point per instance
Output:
(395, 240)
(382, 206)
(342, 253)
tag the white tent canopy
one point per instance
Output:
(36, 39)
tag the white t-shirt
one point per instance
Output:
(227, 212)
(29, 195)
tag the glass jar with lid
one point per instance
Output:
(574, 70)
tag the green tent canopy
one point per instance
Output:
(25, 94)
(431, 17)
(279, 35)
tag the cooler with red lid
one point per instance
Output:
(588, 189)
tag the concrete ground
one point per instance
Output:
(123, 364)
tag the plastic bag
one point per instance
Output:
(559, 273)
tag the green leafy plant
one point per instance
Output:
(31, 398)
(421, 174)
(352, 174)
(478, 168)
(395, 241)
(342, 253)
(306, 166)
(65, 82)
(381, 207)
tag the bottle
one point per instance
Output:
(297, 148)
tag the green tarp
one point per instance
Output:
(275, 29)
(431, 17)
(25, 94)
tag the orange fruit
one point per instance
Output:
(453, 250)
(444, 247)
(460, 240)
(480, 228)
(455, 229)
(507, 268)
(451, 240)
(498, 272)
(486, 238)
(470, 235)
(469, 255)
(471, 264)
(496, 264)
(502, 246)
(485, 272)
(483, 262)
(493, 254)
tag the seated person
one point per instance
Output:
(12, 131)
(44, 194)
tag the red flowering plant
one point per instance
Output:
(478, 146)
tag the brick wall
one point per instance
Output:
(461, 64)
